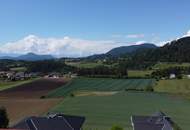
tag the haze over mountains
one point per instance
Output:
(65, 46)
(178, 49)
(29, 57)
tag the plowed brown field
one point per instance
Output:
(24, 100)
(34, 89)
(21, 108)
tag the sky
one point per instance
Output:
(84, 27)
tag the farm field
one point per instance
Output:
(34, 89)
(101, 84)
(175, 86)
(164, 65)
(139, 73)
(20, 108)
(18, 69)
(102, 112)
(87, 64)
(10, 84)
(24, 100)
(84, 64)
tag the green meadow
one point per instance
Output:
(102, 112)
(101, 84)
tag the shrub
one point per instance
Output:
(116, 127)
(42, 97)
(149, 89)
(72, 95)
(4, 121)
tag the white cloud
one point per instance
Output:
(135, 36)
(140, 42)
(162, 43)
(173, 39)
(66, 46)
(187, 34)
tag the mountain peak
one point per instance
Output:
(31, 53)
(129, 49)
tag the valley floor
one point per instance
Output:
(102, 112)
(104, 102)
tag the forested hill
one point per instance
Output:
(174, 51)
(129, 49)
(119, 51)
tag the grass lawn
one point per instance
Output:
(175, 86)
(18, 69)
(9, 84)
(139, 73)
(87, 64)
(84, 64)
(101, 84)
(102, 112)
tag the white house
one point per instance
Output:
(188, 76)
(172, 76)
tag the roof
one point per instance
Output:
(159, 113)
(52, 122)
(148, 127)
(9, 129)
(147, 119)
(158, 121)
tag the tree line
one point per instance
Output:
(165, 73)
(118, 71)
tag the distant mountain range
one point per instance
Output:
(175, 51)
(29, 57)
(119, 51)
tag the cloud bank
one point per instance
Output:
(162, 43)
(60, 47)
(135, 36)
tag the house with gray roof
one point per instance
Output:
(157, 121)
(51, 122)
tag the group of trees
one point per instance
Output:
(4, 121)
(47, 66)
(6, 65)
(119, 71)
(165, 73)
(175, 51)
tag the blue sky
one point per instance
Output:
(126, 21)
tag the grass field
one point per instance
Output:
(102, 112)
(18, 69)
(9, 84)
(139, 73)
(175, 86)
(164, 65)
(84, 64)
(101, 84)
(87, 64)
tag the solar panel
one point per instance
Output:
(30, 124)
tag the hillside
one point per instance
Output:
(29, 57)
(174, 51)
(119, 51)
(129, 49)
